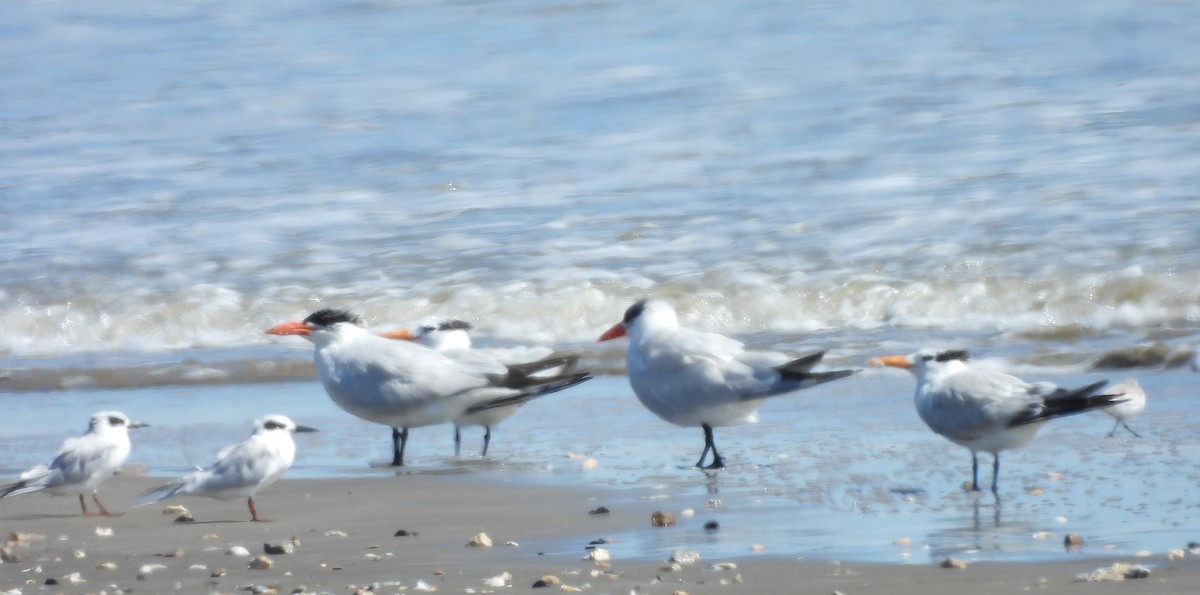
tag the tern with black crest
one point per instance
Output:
(987, 410)
(405, 385)
(698, 379)
(452, 337)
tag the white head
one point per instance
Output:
(275, 423)
(925, 361)
(444, 335)
(643, 314)
(104, 422)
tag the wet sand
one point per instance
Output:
(344, 532)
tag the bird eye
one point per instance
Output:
(116, 421)
(427, 329)
(273, 425)
(926, 358)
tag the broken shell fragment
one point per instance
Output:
(661, 519)
(1073, 541)
(261, 563)
(954, 563)
(480, 540)
(546, 581)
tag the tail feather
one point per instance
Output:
(524, 376)
(552, 385)
(797, 374)
(1064, 402)
(159, 493)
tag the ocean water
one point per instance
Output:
(1017, 178)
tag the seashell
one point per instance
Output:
(1175, 555)
(546, 581)
(670, 567)
(405, 533)
(372, 556)
(1073, 541)
(685, 557)
(954, 563)
(184, 518)
(278, 549)
(599, 510)
(712, 526)
(1042, 535)
(261, 563)
(335, 533)
(424, 586)
(175, 509)
(480, 540)
(106, 566)
(719, 566)
(171, 554)
(661, 519)
(148, 569)
(238, 551)
(499, 580)
(74, 578)
(104, 532)
(217, 573)
(79, 554)
(598, 555)
(197, 567)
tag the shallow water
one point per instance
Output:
(838, 472)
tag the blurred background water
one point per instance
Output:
(1018, 178)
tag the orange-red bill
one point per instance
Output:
(894, 361)
(398, 335)
(617, 331)
(289, 328)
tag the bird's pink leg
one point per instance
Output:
(103, 511)
(253, 513)
(83, 506)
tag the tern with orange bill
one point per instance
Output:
(987, 410)
(699, 379)
(403, 384)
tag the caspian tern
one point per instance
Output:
(451, 337)
(241, 470)
(692, 378)
(1133, 405)
(987, 410)
(405, 385)
(83, 462)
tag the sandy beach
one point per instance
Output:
(344, 540)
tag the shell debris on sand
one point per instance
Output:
(661, 519)
(954, 563)
(1119, 571)
(480, 540)
(500, 580)
(261, 563)
(546, 581)
(598, 555)
(1073, 541)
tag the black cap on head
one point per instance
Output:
(332, 316)
(634, 311)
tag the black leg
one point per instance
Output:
(399, 441)
(457, 439)
(1116, 427)
(1126, 426)
(710, 444)
(974, 472)
(995, 474)
(487, 439)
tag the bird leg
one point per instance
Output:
(399, 441)
(253, 513)
(457, 439)
(974, 472)
(487, 439)
(710, 444)
(995, 474)
(1126, 426)
(103, 511)
(1116, 427)
(83, 506)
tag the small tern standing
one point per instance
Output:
(1133, 405)
(241, 470)
(451, 337)
(692, 378)
(405, 385)
(987, 410)
(83, 463)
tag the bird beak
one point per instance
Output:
(894, 361)
(305, 429)
(289, 328)
(137, 424)
(617, 331)
(399, 335)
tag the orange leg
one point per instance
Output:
(83, 506)
(103, 511)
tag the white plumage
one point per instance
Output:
(405, 385)
(692, 378)
(1133, 405)
(987, 410)
(83, 462)
(241, 470)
